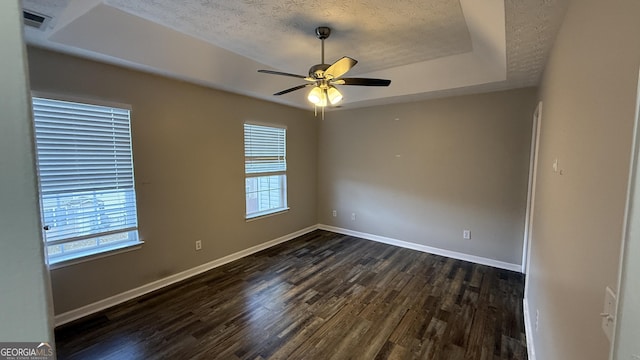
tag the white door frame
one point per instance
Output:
(622, 341)
(531, 188)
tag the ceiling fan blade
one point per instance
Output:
(292, 89)
(339, 67)
(282, 73)
(362, 82)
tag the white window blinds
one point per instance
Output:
(264, 149)
(86, 177)
(265, 170)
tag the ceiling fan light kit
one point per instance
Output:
(316, 96)
(323, 77)
(334, 95)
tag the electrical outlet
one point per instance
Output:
(335, 213)
(353, 216)
(466, 234)
(609, 313)
(198, 245)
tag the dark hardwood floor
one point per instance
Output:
(321, 296)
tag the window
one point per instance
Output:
(265, 165)
(85, 165)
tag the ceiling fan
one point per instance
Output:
(323, 77)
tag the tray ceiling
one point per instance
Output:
(427, 48)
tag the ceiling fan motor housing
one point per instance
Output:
(317, 71)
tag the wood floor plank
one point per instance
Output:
(320, 296)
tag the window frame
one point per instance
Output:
(282, 174)
(101, 250)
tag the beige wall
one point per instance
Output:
(443, 166)
(589, 95)
(25, 294)
(189, 169)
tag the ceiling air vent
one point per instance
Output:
(33, 19)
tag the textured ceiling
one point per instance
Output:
(427, 48)
(388, 33)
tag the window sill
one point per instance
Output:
(262, 216)
(98, 255)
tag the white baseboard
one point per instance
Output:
(424, 248)
(158, 284)
(528, 329)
